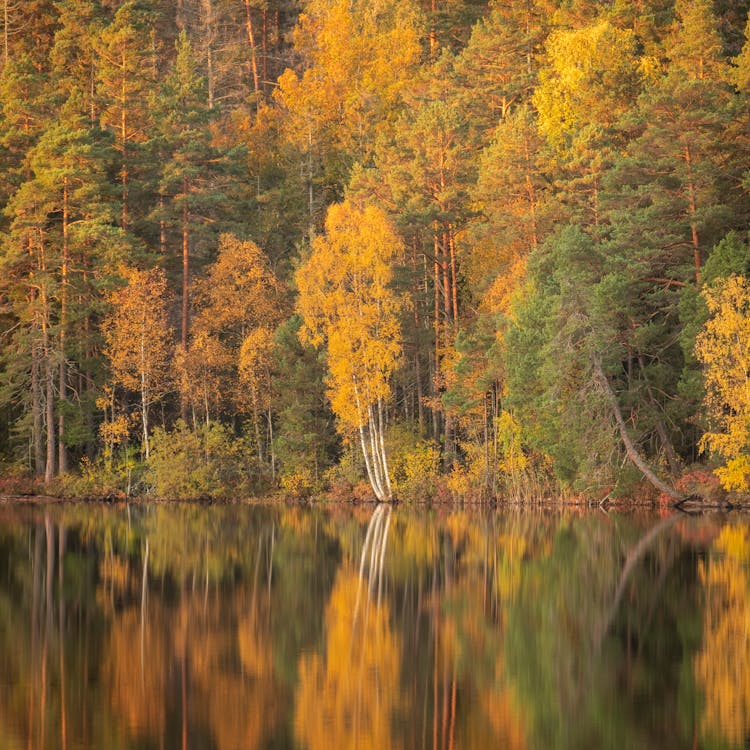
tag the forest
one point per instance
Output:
(407, 249)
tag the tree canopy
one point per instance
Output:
(512, 235)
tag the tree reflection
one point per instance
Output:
(347, 697)
(252, 627)
(722, 666)
(599, 634)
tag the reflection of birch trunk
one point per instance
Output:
(49, 393)
(62, 453)
(374, 546)
(253, 53)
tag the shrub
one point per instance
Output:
(347, 473)
(416, 472)
(107, 476)
(414, 465)
(300, 483)
(206, 462)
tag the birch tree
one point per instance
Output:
(348, 305)
(723, 348)
(138, 340)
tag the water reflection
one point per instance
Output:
(722, 665)
(283, 627)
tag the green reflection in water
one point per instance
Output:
(282, 627)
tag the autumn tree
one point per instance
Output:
(139, 340)
(358, 58)
(723, 348)
(347, 305)
(590, 79)
(239, 303)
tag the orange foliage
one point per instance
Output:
(347, 698)
(347, 303)
(722, 667)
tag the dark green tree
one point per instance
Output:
(305, 433)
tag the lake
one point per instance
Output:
(259, 626)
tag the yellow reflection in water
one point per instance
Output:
(136, 670)
(503, 711)
(722, 666)
(347, 698)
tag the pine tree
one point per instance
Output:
(58, 216)
(305, 433)
(126, 73)
(195, 175)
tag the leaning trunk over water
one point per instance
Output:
(630, 449)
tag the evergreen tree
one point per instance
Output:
(126, 80)
(58, 217)
(196, 177)
(306, 433)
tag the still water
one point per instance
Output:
(240, 627)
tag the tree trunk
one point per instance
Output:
(144, 396)
(530, 192)
(630, 449)
(124, 219)
(264, 46)
(383, 454)
(454, 283)
(49, 379)
(433, 31)
(253, 51)
(256, 427)
(693, 209)
(36, 408)
(62, 457)
(6, 32)
(185, 322)
(370, 450)
(162, 227)
(208, 11)
(368, 466)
